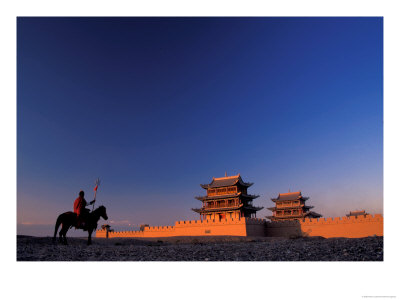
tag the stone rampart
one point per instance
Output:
(231, 227)
(350, 227)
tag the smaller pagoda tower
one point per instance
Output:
(291, 206)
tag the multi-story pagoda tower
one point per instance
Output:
(291, 206)
(227, 198)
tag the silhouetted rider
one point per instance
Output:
(80, 209)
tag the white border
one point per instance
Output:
(199, 280)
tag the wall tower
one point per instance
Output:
(227, 197)
(291, 206)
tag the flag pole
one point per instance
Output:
(97, 182)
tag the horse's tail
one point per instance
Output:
(58, 223)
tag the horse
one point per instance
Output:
(69, 219)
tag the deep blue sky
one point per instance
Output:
(156, 106)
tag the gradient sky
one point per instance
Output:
(156, 106)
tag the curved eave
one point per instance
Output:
(238, 181)
(300, 198)
(206, 198)
(242, 183)
(253, 208)
(227, 196)
(313, 214)
(290, 207)
(202, 210)
(251, 196)
(310, 214)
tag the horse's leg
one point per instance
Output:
(58, 222)
(90, 237)
(63, 234)
(60, 234)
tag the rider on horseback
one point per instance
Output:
(81, 211)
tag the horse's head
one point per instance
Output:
(102, 212)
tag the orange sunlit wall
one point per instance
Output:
(350, 227)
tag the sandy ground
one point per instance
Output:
(201, 249)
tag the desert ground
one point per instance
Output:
(31, 248)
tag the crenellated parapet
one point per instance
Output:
(344, 220)
(351, 227)
(210, 222)
(225, 227)
(255, 221)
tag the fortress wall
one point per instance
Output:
(100, 233)
(155, 231)
(158, 231)
(235, 227)
(285, 229)
(232, 227)
(135, 233)
(350, 227)
(255, 227)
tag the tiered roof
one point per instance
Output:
(306, 207)
(306, 214)
(226, 181)
(313, 214)
(226, 196)
(199, 210)
(290, 196)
